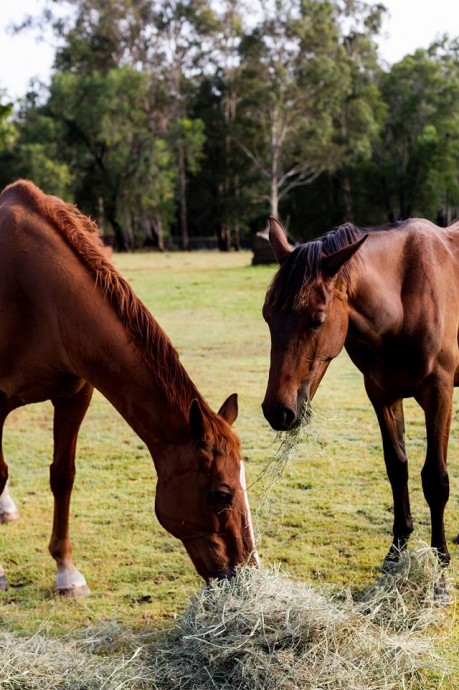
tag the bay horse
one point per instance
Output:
(390, 297)
(71, 323)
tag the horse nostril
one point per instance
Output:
(280, 418)
(287, 417)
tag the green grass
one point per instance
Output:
(328, 518)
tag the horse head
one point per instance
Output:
(201, 495)
(307, 313)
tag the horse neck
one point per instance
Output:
(154, 415)
(118, 369)
(374, 275)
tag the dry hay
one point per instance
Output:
(303, 431)
(259, 631)
(263, 631)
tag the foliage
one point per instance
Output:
(7, 129)
(109, 128)
(419, 148)
(197, 117)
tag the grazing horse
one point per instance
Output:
(391, 298)
(71, 322)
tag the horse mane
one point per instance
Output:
(83, 236)
(291, 286)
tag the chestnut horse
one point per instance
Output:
(71, 322)
(391, 298)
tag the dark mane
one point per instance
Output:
(83, 236)
(291, 285)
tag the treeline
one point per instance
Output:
(185, 122)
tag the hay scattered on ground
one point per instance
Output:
(259, 631)
(264, 631)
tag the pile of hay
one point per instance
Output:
(259, 631)
(263, 631)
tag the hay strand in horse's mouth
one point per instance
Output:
(288, 441)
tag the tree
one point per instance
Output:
(297, 74)
(108, 132)
(178, 43)
(361, 116)
(7, 128)
(418, 154)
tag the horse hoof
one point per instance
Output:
(456, 541)
(389, 564)
(73, 592)
(3, 583)
(441, 596)
(9, 516)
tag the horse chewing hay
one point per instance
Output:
(391, 298)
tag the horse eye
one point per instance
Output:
(221, 496)
(316, 323)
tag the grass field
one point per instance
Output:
(328, 518)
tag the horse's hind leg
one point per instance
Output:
(392, 425)
(68, 415)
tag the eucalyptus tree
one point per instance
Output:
(299, 83)
(180, 42)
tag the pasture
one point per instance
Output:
(327, 519)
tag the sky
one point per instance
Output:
(410, 24)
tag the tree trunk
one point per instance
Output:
(274, 199)
(120, 238)
(157, 232)
(224, 238)
(182, 197)
(348, 200)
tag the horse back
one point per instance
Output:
(405, 305)
(44, 287)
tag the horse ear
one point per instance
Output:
(331, 264)
(198, 423)
(229, 409)
(278, 240)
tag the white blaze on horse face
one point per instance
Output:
(248, 513)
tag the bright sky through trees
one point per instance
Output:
(411, 24)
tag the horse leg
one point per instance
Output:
(8, 510)
(68, 415)
(392, 424)
(436, 401)
(3, 488)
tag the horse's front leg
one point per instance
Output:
(8, 510)
(68, 415)
(436, 401)
(392, 424)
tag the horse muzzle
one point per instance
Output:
(283, 415)
(280, 417)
